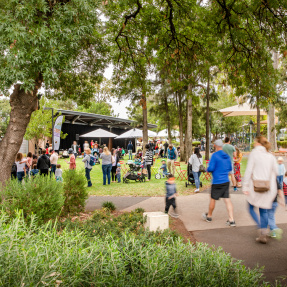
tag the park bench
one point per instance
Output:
(281, 152)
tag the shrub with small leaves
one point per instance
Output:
(40, 196)
(75, 191)
(109, 205)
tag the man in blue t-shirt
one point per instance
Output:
(220, 167)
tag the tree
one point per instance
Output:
(100, 108)
(4, 116)
(55, 44)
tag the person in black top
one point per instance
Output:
(165, 148)
(43, 163)
(47, 144)
(130, 150)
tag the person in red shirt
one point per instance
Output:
(72, 161)
(92, 144)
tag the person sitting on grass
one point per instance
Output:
(164, 168)
(118, 172)
(34, 171)
(58, 173)
(170, 195)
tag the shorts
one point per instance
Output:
(232, 171)
(220, 190)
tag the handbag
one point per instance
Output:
(261, 185)
(201, 167)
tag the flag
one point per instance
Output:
(57, 132)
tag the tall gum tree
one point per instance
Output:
(45, 44)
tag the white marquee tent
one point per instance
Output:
(241, 110)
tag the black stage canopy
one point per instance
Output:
(95, 120)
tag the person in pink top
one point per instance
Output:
(28, 162)
(72, 161)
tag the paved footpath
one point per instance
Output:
(239, 241)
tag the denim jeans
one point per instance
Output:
(280, 180)
(75, 154)
(196, 176)
(88, 171)
(263, 223)
(20, 175)
(271, 216)
(119, 177)
(130, 154)
(106, 168)
(53, 169)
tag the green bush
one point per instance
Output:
(42, 256)
(40, 196)
(75, 191)
(282, 144)
(109, 205)
(195, 143)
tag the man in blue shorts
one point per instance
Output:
(220, 166)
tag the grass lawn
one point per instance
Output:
(155, 187)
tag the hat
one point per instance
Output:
(280, 158)
(218, 142)
(118, 164)
(70, 151)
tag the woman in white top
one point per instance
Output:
(21, 172)
(195, 161)
(262, 167)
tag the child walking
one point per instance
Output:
(164, 167)
(170, 195)
(58, 173)
(118, 172)
(285, 189)
(281, 171)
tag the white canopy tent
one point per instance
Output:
(164, 133)
(134, 134)
(99, 133)
(241, 110)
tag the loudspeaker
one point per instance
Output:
(77, 137)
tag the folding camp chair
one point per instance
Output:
(206, 175)
(181, 172)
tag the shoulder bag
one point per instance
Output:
(261, 185)
(201, 166)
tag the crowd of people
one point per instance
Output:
(264, 183)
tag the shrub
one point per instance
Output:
(45, 257)
(282, 144)
(75, 191)
(40, 196)
(109, 205)
(195, 143)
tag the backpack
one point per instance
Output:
(92, 161)
(14, 168)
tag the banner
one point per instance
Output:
(57, 132)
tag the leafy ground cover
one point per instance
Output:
(155, 187)
(111, 251)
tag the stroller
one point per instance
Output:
(96, 155)
(190, 177)
(135, 173)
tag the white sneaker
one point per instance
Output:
(197, 190)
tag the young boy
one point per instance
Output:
(118, 172)
(34, 171)
(164, 168)
(170, 195)
(281, 170)
(285, 189)
(58, 173)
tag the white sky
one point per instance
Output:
(119, 108)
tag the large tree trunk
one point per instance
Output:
(180, 116)
(167, 119)
(22, 105)
(207, 121)
(258, 116)
(145, 133)
(271, 113)
(188, 134)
